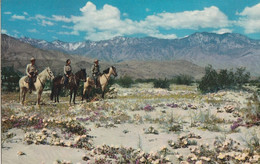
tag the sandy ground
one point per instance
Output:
(125, 120)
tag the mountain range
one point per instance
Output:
(229, 50)
(17, 54)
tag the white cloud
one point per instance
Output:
(250, 19)
(44, 23)
(147, 9)
(7, 13)
(67, 27)
(38, 17)
(19, 17)
(32, 30)
(25, 13)
(4, 31)
(210, 17)
(223, 30)
(15, 31)
(163, 36)
(61, 18)
(106, 23)
(69, 33)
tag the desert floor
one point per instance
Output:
(140, 124)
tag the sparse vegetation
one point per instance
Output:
(161, 83)
(10, 79)
(213, 81)
(183, 79)
(125, 81)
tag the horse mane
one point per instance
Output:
(40, 74)
(106, 70)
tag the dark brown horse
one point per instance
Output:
(72, 85)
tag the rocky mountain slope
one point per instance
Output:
(220, 50)
(16, 53)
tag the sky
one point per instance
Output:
(95, 20)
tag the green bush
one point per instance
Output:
(209, 82)
(213, 81)
(10, 79)
(144, 80)
(226, 79)
(183, 80)
(241, 77)
(161, 83)
(125, 81)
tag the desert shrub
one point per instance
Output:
(208, 82)
(10, 79)
(144, 80)
(213, 81)
(241, 77)
(125, 81)
(225, 79)
(159, 83)
(183, 80)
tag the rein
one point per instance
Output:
(40, 79)
(106, 77)
(41, 82)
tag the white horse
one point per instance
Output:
(102, 79)
(39, 84)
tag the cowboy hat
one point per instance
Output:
(32, 59)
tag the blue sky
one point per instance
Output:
(78, 20)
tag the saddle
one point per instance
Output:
(63, 79)
(98, 80)
(27, 79)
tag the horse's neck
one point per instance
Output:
(107, 75)
(43, 76)
(77, 78)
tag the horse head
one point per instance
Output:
(83, 74)
(50, 74)
(114, 71)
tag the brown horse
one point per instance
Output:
(73, 85)
(102, 79)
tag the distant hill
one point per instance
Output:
(17, 53)
(228, 50)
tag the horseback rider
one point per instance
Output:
(95, 72)
(31, 71)
(67, 71)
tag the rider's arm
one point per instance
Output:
(65, 72)
(92, 69)
(27, 70)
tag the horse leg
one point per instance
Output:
(103, 92)
(83, 94)
(23, 95)
(39, 97)
(75, 93)
(58, 93)
(88, 93)
(70, 96)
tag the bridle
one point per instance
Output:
(49, 73)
